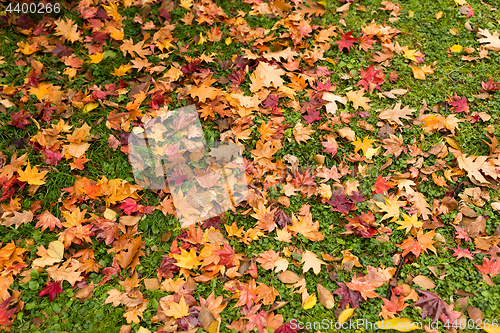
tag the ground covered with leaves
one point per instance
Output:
(368, 131)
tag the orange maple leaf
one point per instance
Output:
(421, 244)
(31, 175)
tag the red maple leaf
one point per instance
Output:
(462, 233)
(255, 320)
(376, 77)
(461, 253)
(6, 314)
(346, 41)
(52, 289)
(228, 257)
(312, 115)
(19, 119)
(490, 85)
(247, 294)
(360, 227)
(460, 104)
(331, 146)
(489, 266)
(381, 184)
(52, 157)
(349, 296)
(287, 328)
(341, 203)
(435, 307)
(327, 86)
(129, 206)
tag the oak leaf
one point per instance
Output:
(493, 40)
(18, 219)
(68, 30)
(395, 114)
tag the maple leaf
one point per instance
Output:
(394, 145)
(394, 114)
(433, 306)
(461, 233)
(346, 41)
(19, 119)
(382, 56)
(31, 175)
(247, 295)
(51, 290)
(177, 310)
(363, 145)
(187, 260)
(460, 104)
(409, 222)
(349, 296)
(311, 260)
(311, 116)
(68, 30)
(381, 184)
(391, 208)
(5, 314)
(461, 253)
(421, 244)
(371, 76)
(341, 203)
(306, 227)
(331, 145)
(357, 99)
(490, 85)
(365, 42)
(286, 328)
(302, 133)
(489, 266)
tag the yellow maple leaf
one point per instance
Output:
(187, 260)
(233, 230)
(186, 4)
(456, 48)
(96, 58)
(178, 310)
(41, 91)
(357, 99)
(363, 145)
(409, 222)
(27, 49)
(31, 175)
(120, 71)
(391, 208)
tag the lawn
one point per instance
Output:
(357, 188)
